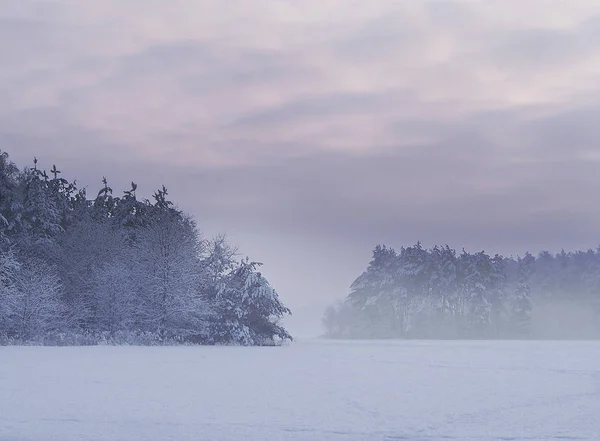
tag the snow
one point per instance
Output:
(309, 390)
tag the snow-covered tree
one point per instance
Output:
(379, 296)
(443, 289)
(250, 309)
(478, 290)
(518, 301)
(34, 306)
(9, 268)
(9, 181)
(39, 219)
(105, 204)
(543, 281)
(64, 196)
(167, 269)
(89, 244)
(217, 264)
(415, 265)
(112, 296)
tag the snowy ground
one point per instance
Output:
(312, 390)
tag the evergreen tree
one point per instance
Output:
(519, 302)
(39, 219)
(9, 182)
(415, 273)
(250, 308)
(105, 204)
(443, 287)
(478, 288)
(379, 296)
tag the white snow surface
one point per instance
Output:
(309, 390)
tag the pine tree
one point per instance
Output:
(130, 213)
(9, 182)
(250, 308)
(39, 220)
(477, 291)
(63, 195)
(216, 266)
(379, 296)
(415, 273)
(519, 301)
(544, 277)
(444, 289)
(105, 204)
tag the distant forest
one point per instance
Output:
(435, 293)
(120, 270)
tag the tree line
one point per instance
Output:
(119, 269)
(437, 293)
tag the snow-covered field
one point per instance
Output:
(311, 390)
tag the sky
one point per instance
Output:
(309, 131)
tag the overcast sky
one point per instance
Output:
(311, 130)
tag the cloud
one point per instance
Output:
(317, 72)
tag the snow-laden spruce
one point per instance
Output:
(120, 270)
(435, 293)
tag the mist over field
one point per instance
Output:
(437, 294)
